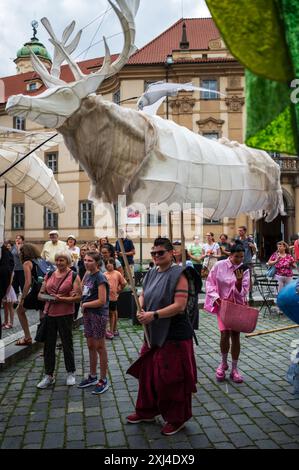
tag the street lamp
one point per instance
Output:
(168, 63)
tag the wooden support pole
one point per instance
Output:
(132, 282)
(170, 231)
(183, 241)
(266, 332)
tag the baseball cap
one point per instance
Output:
(53, 232)
(71, 236)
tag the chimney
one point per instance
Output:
(184, 44)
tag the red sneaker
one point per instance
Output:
(170, 429)
(135, 419)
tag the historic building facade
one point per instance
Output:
(189, 51)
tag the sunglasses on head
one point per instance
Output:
(158, 253)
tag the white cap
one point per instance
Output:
(53, 232)
(71, 236)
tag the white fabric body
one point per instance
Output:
(31, 176)
(227, 177)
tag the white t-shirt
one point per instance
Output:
(75, 254)
(211, 248)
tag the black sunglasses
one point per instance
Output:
(158, 253)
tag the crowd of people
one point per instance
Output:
(63, 277)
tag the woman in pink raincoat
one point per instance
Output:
(228, 279)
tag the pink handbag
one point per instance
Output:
(237, 317)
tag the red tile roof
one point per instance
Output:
(17, 84)
(200, 31)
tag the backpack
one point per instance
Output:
(191, 309)
(43, 267)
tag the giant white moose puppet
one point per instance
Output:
(150, 159)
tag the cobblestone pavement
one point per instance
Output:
(260, 413)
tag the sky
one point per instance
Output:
(153, 17)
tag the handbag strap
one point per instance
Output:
(62, 281)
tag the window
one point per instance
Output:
(19, 123)
(210, 85)
(116, 97)
(32, 86)
(86, 214)
(18, 217)
(51, 160)
(274, 154)
(50, 219)
(212, 221)
(155, 219)
(211, 135)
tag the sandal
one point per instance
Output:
(24, 342)
(236, 377)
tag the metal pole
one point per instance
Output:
(183, 240)
(167, 100)
(5, 196)
(140, 243)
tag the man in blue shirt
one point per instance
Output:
(129, 251)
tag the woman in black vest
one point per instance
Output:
(6, 270)
(167, 370)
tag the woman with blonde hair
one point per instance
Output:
(61, 290)
(283, 262)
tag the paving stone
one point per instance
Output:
(53, 441)
(291, 446)
(12, 442)
(116, 439)
(36, 426)
(15, 431)
(224, 445)
(254, 432)
(228, 426)
(95, 438)
(281, 437)
(41, 416)
(207, 421)
(278, 418)
(242, 419)
(112, 424)
(200, 441)
(74, 418)
(55, 425)
(75, 445)
(34, 437)
(160, 444)
(240, 440)
(75, 433)
(216, 435)
(137, 442)
(267, 444)
(266, 424)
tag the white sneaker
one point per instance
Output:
(71, 379)
(46, 382)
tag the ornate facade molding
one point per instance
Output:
(235, 104)
(184, 104)
(210, 125)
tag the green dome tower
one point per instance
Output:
(23, 61)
